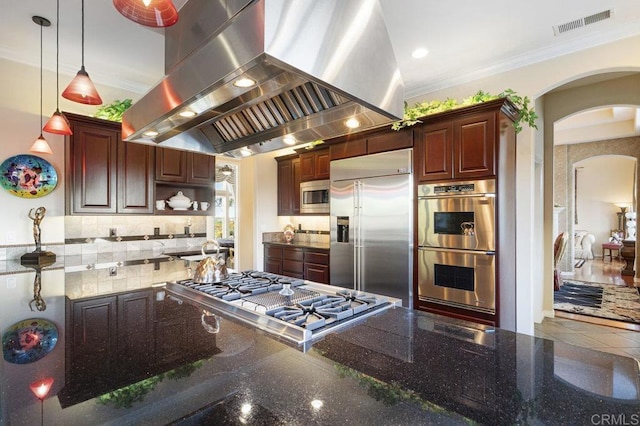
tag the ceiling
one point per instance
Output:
(466, 40)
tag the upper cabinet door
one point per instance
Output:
(92, 168)
(474, 146)
(201, 168)
(314, 165)
(135, 177)
(433, 153)
(171, 165)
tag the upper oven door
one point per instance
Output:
(461, 221)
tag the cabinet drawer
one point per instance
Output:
(275, 252)
(289, 266)
(293, 254)
(317, 258)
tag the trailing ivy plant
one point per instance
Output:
(113, 111)
(420, 109)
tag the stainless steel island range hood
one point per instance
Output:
(315, 64)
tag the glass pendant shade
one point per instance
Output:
(41, 146)
(150, 13)
(41, 388)
(82, 90)
(58, 124)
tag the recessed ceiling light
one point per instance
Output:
(289, 140)
(352, 123)
(244, 82)
(187, 114)
(150, 133)
(420, 52)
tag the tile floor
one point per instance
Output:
(593, 336)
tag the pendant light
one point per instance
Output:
(58, 123)
(40, 145)
(81, 88)
(151, 13)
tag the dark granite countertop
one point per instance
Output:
(399, 367)
(321, 246)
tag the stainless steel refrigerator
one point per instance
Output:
(371, 204)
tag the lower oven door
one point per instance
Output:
(460, 278)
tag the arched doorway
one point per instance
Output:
(580, 95)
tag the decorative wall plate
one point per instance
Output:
(29, 340)
(28, 176)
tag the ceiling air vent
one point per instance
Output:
(582, 22)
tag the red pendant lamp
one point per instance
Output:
(41, 388)
(58, 123)
(150, 13)
(81, 88)
(40, 145)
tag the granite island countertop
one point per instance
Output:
(398, 367)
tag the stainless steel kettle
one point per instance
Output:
(210, 269)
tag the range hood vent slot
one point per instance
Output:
(294, 104)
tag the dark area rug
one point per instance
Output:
(608, 301)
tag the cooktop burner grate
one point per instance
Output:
(275, 300)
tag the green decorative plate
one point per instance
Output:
(28, 176)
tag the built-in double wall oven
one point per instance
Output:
(456, 244)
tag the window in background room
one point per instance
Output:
(225, 202)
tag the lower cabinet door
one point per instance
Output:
(317, 273)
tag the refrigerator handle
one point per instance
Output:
(358, 235)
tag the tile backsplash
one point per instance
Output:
(124, 225)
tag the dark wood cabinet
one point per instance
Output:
(189, 172)
(371, 142)
(314, 165)
(273, 259)
(288, 185)
(171, 165)
(297, 262)
(135, 178)
(434, 145)
(474, 146)
(293, 262)
(456, 147)
(177, 166)
(106, 175)
(316, 266)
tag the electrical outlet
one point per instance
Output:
(11, 282)
(113, 232)
(113, 271)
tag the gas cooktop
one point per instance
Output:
(297, 310)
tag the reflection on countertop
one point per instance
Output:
(130, 354)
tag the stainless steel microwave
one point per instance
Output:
(314, 197)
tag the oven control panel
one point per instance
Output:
(476, 188)
(448, 189)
